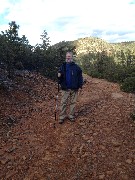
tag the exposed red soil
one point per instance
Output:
(100, 144)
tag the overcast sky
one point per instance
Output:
(111, 20)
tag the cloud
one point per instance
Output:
(4, 5)
(132, 2)
(118, 38)
(112, 20)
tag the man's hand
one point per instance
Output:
(59, 74)
(84, 81)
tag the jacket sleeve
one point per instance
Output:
(60, 71)
(80, 78)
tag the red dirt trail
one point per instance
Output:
(100, 144)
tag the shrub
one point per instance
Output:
(128, 85)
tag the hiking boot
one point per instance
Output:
(61, 121)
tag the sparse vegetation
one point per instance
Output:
(128, 85)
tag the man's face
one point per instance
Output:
(68, 57)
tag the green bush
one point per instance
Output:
(96, 74)
(128, 85)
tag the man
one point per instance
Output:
(70, 79)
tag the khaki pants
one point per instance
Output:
(64, 100)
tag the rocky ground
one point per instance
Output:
(100, 144)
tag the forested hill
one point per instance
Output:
(94, 44)
(125, 45)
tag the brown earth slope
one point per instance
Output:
(99, 145)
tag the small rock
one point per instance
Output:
(118, 164)
(10, 163)
(4, 161)
(82, 123)
(101, 176)
(81, 148)
(85, 155)
(85, 137)
(9, 167)
(1, 153)
(125, 177)
(117, 149)
(106, 129)
(103, 156)
(74, 149)
(24, 158)
(102, 147)
(89, 141)
(94, 155)
(11, 149)
(116, 95)
(109, 172)
(115, 142)
(10, 174)
(129, 161)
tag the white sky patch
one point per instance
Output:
(3, 27)
(35, 16)
(4, 4)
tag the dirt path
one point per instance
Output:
(99, 145)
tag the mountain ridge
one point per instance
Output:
(94, 44)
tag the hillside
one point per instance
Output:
(94, 45)
(99, 145)
(125, 46)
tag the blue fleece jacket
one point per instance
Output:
(71, 76)
(68, 76)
